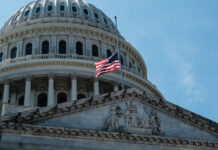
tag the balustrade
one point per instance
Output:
(30, 58)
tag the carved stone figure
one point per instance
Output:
(131, 116)
(142, 122)
(112, 121)
(154, 123)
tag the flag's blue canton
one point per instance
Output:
(113, 58)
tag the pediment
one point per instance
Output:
(129, 112)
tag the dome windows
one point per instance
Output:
(27, 13)
(38, 9)
(74, 9)
(13, 52)
(62, 7)
(79, 48)
(62, 47)
(21, 101)
(109, 53)
(28, 49)
(105, 20)
(61, 98)
(86, 12)
(42, 100)
(94, 51)
(96, 15)
(50, 7)
(1, 57)
(45, 47)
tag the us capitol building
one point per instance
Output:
(50, 98)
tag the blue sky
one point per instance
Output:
(178, 40)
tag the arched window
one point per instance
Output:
(81, 96)
(1, 56)
(50, 7)
(28, 50)
(79, 48)
(86, 12)
(61, 98)
(109, 53)
(14, 52)
(96, 15)
(38, 9)
(122, 62)
(42, 100)
(27, 13)
(45, 47)
(94, 51)
(74, 9)
(62, 47)
(62, 7)
(21, 100)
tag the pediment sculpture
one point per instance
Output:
(128, 120)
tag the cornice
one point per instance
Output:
(78, 63)
(103, 137)
(43, 114)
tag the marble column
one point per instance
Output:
(116, 87)
(96, 87)
(73, 88)
(6, 93)
(27, 92)
(51, 90)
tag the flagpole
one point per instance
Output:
(118, 47)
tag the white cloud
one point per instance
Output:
(186, 77)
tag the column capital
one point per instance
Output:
(73, 77)
(51, 76)
(7, 81)
(28, 77)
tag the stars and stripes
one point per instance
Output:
(107, 65)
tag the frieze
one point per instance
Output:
(134, 124)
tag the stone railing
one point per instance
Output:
(30, 58)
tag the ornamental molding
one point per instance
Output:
(103, 137)
(78, 63)
(74, 29)
(112, 99)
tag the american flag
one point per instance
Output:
(107, 65)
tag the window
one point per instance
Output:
(81, 96)
(15, 18)
(21, 100)
(105, 21)
(14, 52)
(94, 51)
(62, 47)
(62, 7)
(28, 50)
(45, 47)
(38, 9)
(74, 9)
(86, 12)
(1, 57)
(61, 98)
(130, 64)
(96, 15)
(50, 7)
(79, 48)
(121, 58)
(42, 100)
(109, 53)
(27, 12)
